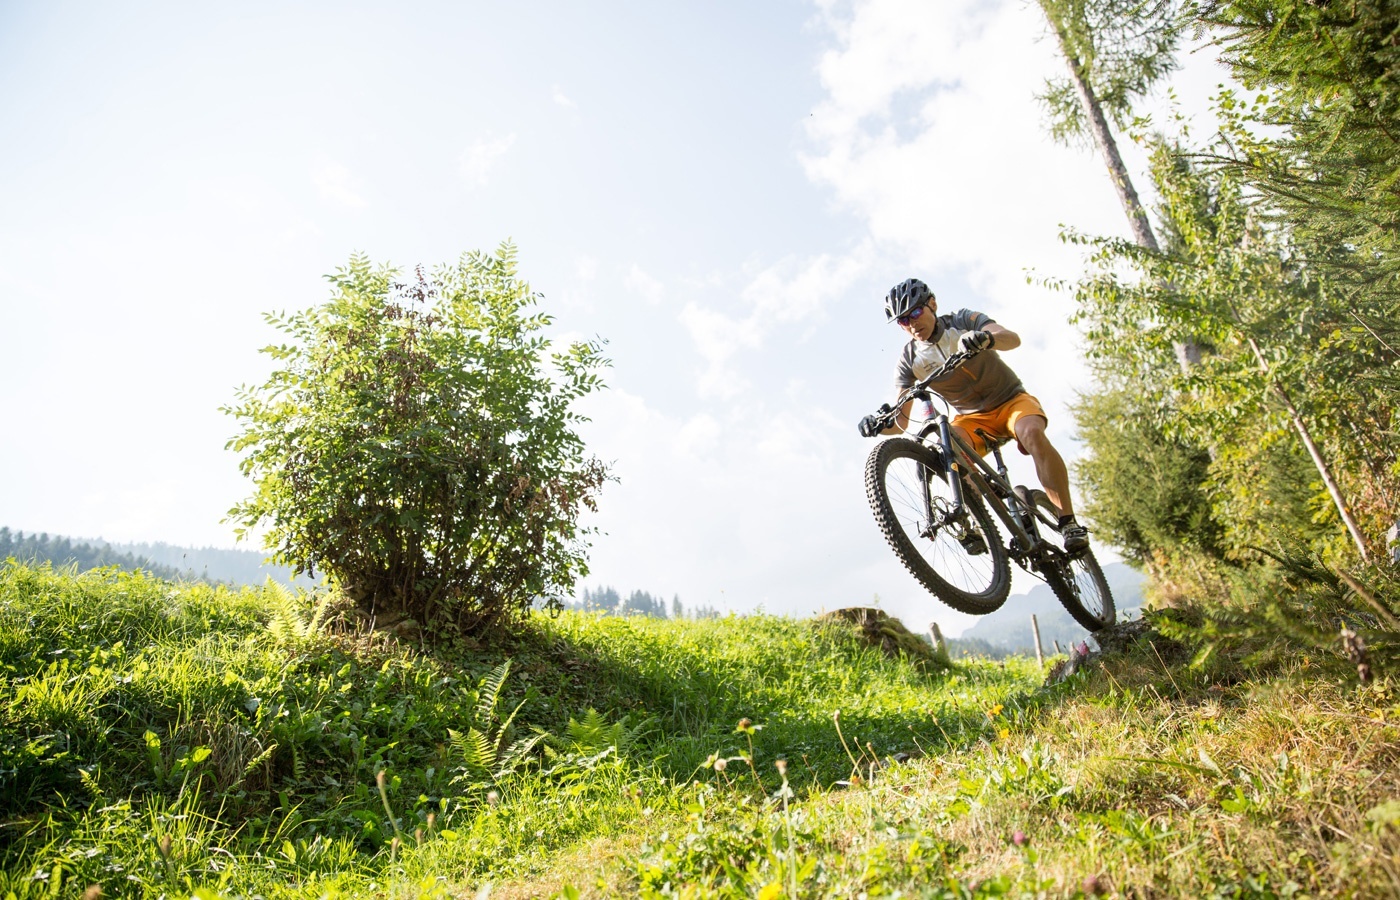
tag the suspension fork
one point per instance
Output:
(950, 464)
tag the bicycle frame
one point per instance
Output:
(995, 486)
(1027, 547)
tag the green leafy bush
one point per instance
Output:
(1144, 488)
(417, 443)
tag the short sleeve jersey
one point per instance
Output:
(981, 384)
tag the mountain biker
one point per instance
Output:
(987, 395)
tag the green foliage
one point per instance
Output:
(1278, 261)
(250, 720)
(413, 445)
(1278, 337)
(1322, 138)
(1120, 48)
(1143, 487)
(160, 740)
(1147, 779)
(485, 749)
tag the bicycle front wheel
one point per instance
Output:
(956, 553)
(1075, 578)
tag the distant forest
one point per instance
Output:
(638, 603)
(218, 565)
(62, 551)
(211, 564)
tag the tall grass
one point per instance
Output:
(157, 737)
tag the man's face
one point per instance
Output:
(923, 326)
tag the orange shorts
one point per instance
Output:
(1000, 422)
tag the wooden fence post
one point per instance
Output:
(938, 643)
(1035, 630)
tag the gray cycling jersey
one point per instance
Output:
(982, 383)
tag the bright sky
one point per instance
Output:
(724, 192)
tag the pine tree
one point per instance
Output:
(1328, 156)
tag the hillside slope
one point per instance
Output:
(158, 738)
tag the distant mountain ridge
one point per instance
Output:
(1009, 628)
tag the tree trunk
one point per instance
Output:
(1188, 354)
(1319, 461)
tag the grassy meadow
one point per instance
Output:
(177, 740)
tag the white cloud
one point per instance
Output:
(577, 293)
(639, 282)
(892, 46)
(481, 157)
(791, 291)
(333, 181)
(561, 99)
(948, 164)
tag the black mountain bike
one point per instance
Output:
(940, 526)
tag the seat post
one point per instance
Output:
(995, 446)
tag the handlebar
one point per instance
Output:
(921, 387)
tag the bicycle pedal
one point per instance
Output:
(974, 544)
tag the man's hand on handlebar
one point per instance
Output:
(872, 425)
(975, 341)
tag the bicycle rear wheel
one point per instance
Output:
(907, 486)
(1076, 579)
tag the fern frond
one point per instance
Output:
(284, 621)
(517, 754)
(478, 752)
(318, 616)
(461, 747)
(488, 693)
(593, 733)
(589, 734)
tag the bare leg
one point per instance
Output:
(961, 434)
(1049, 465)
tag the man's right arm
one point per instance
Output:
(870, 423)
(904, 379)
(901, 419)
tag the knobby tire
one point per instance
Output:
(1078, 580)
(974, 584)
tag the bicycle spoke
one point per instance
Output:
(909, 483)
(1076, 579)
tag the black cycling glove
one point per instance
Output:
(870, 426)
(976, 340)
